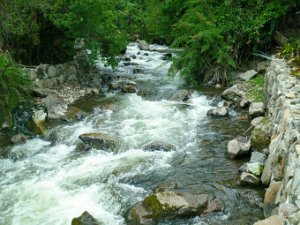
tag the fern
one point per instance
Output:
(14, 87)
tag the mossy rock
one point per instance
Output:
(85, 219)
(255, 89)
(260, 139)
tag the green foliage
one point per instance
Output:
(14, 86)
(255, 89)
(218, 35)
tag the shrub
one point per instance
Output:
(14, 87)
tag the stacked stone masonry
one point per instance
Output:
(283, 163)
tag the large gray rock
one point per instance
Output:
(238, 147)
(218, 112)
(38, 121)
(99, 141)
(181, 95)
(170, 205)
(257, 109)
(85, 219)
(234, 94)
(55, 105)
(273, 220)
(139, 215)
(143, 45)
(248, 75)
(260, 136)
(159, 145)
(52, 71)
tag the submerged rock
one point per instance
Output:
(159, 145)
(218, 112)
(238, 147)
(85, 219)
(99, 141)
(181, 95)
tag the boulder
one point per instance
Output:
(259, 139)
(143, 45)
(169, 204)
(248, 178)
(233, 94)
(159, 145)
(52, 71)
(139, 215)
(218, 112)
(99, 141)
(257, 109)
(38, 121)
(181, 95)
(270, 198)
(18, 139)
(273, 220)
(172, 204)
(55, 105)
(238, 147)
(248, 75)
(85, 219)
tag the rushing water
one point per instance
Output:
(44, 182)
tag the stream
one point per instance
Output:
(47, 182)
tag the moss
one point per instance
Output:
(152, 202)
(255, 89)
(259, 139)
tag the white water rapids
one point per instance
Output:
(51, 184)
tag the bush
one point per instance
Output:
(14, 87)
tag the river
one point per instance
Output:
(45, 181)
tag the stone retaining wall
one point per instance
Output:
(77, 71)
(282, 168)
